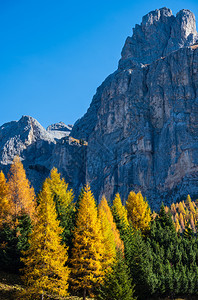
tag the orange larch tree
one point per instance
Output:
(21, 193)
(5, 204)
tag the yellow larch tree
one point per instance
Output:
(192, 222)
(188, 200)
(139, 212)
(45, 271)
(105, 207)
(177, 225)
(5, 204)
(21, 193)
(181, 208)
(63, 198)
(59, 189)
(192, 208)
(88, 249)
(111, 237)
(173, 208)
(181, 220)
(119, 212)
(107, 239)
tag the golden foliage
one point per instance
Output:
(21, 193)
(139, 212)
(45, 270)
(59, 188)
(185, 215)
(111, 236)
(5, 204)
(119, 211)
(88, 249)
(118, 242)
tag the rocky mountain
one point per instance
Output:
(41, 150)
(59, 130)
(142, 124)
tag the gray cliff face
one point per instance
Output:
(141, 127)
(144, 133)
(40, 150)
(59, 130)
(159, 34)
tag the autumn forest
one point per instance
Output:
(108, 251)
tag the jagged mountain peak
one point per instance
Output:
(16, 136)
(59, 130)
(159, 34)
(141, 129)
(141, 126)
(60, 126)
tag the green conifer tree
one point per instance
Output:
(117, 284)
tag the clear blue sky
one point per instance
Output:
(54, 54)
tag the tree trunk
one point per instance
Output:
(84, 294)
(42, 297)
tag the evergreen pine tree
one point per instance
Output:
(139, 258)
(117, 284)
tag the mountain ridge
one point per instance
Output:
(142, 124)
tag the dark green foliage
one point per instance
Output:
(139, 258)
(13, 241)
(117, 284)
(66, 218)
(188, 232)
(9, 253)
(163, 263)
(78, 200)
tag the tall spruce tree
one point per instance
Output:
(117, 284)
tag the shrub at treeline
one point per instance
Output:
(110, 253)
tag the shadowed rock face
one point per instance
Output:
(141, 127)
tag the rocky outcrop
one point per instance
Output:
(141, 127)
(59, 130)
(41, 150)
(159, 34)
(143, 132)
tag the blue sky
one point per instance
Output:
(54, 54)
